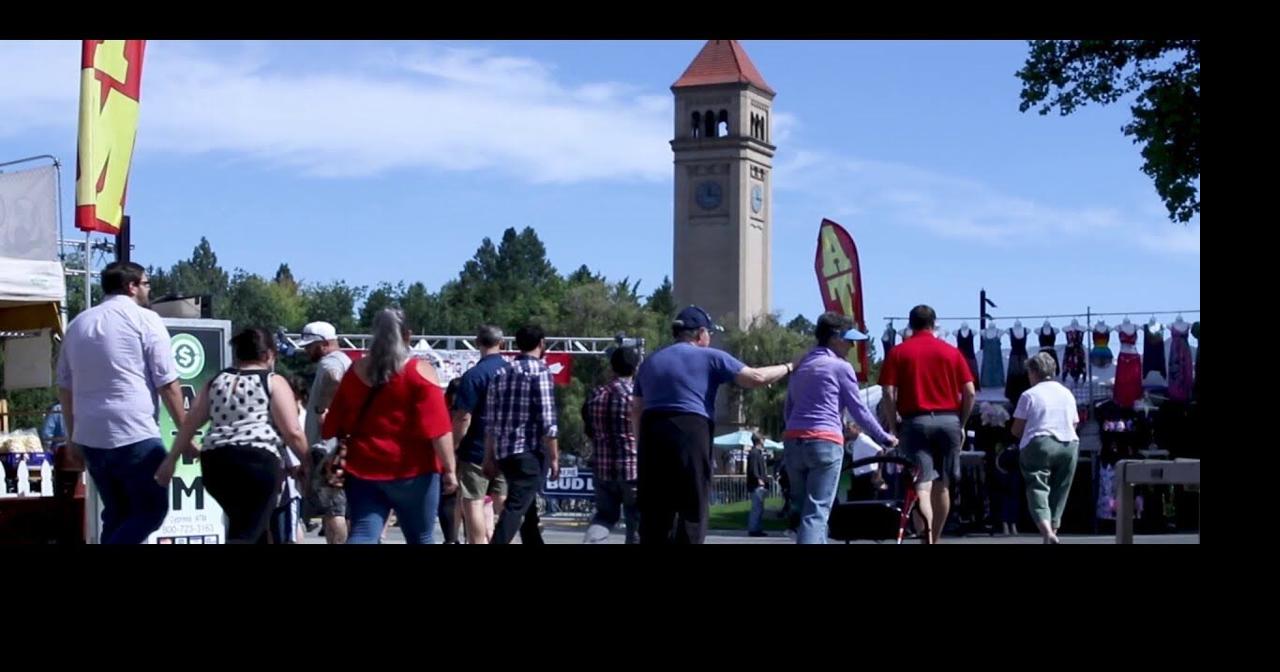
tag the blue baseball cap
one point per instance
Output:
(694, 317)
(854, 335)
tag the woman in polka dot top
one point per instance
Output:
(252, 416)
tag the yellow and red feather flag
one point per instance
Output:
(840, 280)
(110, 91)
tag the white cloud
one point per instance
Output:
(784, 125)
(41, 87)
(964, 209)
(443, 109)
(359, 110)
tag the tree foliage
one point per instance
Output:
(1064, 75)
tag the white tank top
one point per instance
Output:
(240, 413)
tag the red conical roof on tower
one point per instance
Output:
(722, 62)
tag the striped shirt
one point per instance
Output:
(520, 407)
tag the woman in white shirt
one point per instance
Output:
(1045, 423)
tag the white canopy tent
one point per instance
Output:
(32, 284)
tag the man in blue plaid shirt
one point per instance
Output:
(520, 421)
(613, 440)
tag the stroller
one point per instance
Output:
(874, 512)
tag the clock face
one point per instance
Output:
(757, 198)
(708, 195)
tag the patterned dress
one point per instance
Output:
(1180, 366)
(1128, 388)
(1074, 357)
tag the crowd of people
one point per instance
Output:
(383, 436)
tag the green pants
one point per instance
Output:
(1048, 466)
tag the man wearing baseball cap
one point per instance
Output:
(822, 389)
(320, 340)
(673, 408)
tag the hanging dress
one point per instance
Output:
(1195, 387)
(1017, 381)
(1153, 351)
(1128, 387)
(1100, 357)
(887, 340)
(965, 345)
(1049, 344)
(992, 363)
(1074, 357)
(1180, 366)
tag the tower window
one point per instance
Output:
(722, 128)
(697, 124)
(709, 124)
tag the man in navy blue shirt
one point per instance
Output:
(468, 435)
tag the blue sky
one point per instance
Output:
(376, 161)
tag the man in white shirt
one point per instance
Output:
(116, 360)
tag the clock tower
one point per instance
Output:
(723, 180)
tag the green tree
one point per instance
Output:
(161, 283)
(421, 310)
(1068, 74)
(764, 342)
(874, 362)
(335, 303)
(801, 325)
(663, 301)
(252, 301)
(75, 286)
(384, 296)
(510, 285)
(198, 275)
(26, 407)
(284, 277)
(584, 276)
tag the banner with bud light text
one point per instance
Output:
(840, 280)
(573, 483)
(110, 94)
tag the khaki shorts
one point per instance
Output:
(473, 485)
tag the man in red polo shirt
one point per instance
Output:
(927, 381)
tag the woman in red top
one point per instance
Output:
(400, 446)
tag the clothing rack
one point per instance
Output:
(1088, 316)
(1065, 315)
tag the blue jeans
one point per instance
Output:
(614, 500)
(133, 504)
(813, 468)
(415, 501)
(755, 521)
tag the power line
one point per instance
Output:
(1079, 314)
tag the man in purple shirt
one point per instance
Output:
(823, 386)
(115, 358)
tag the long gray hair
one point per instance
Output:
(388, 353)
